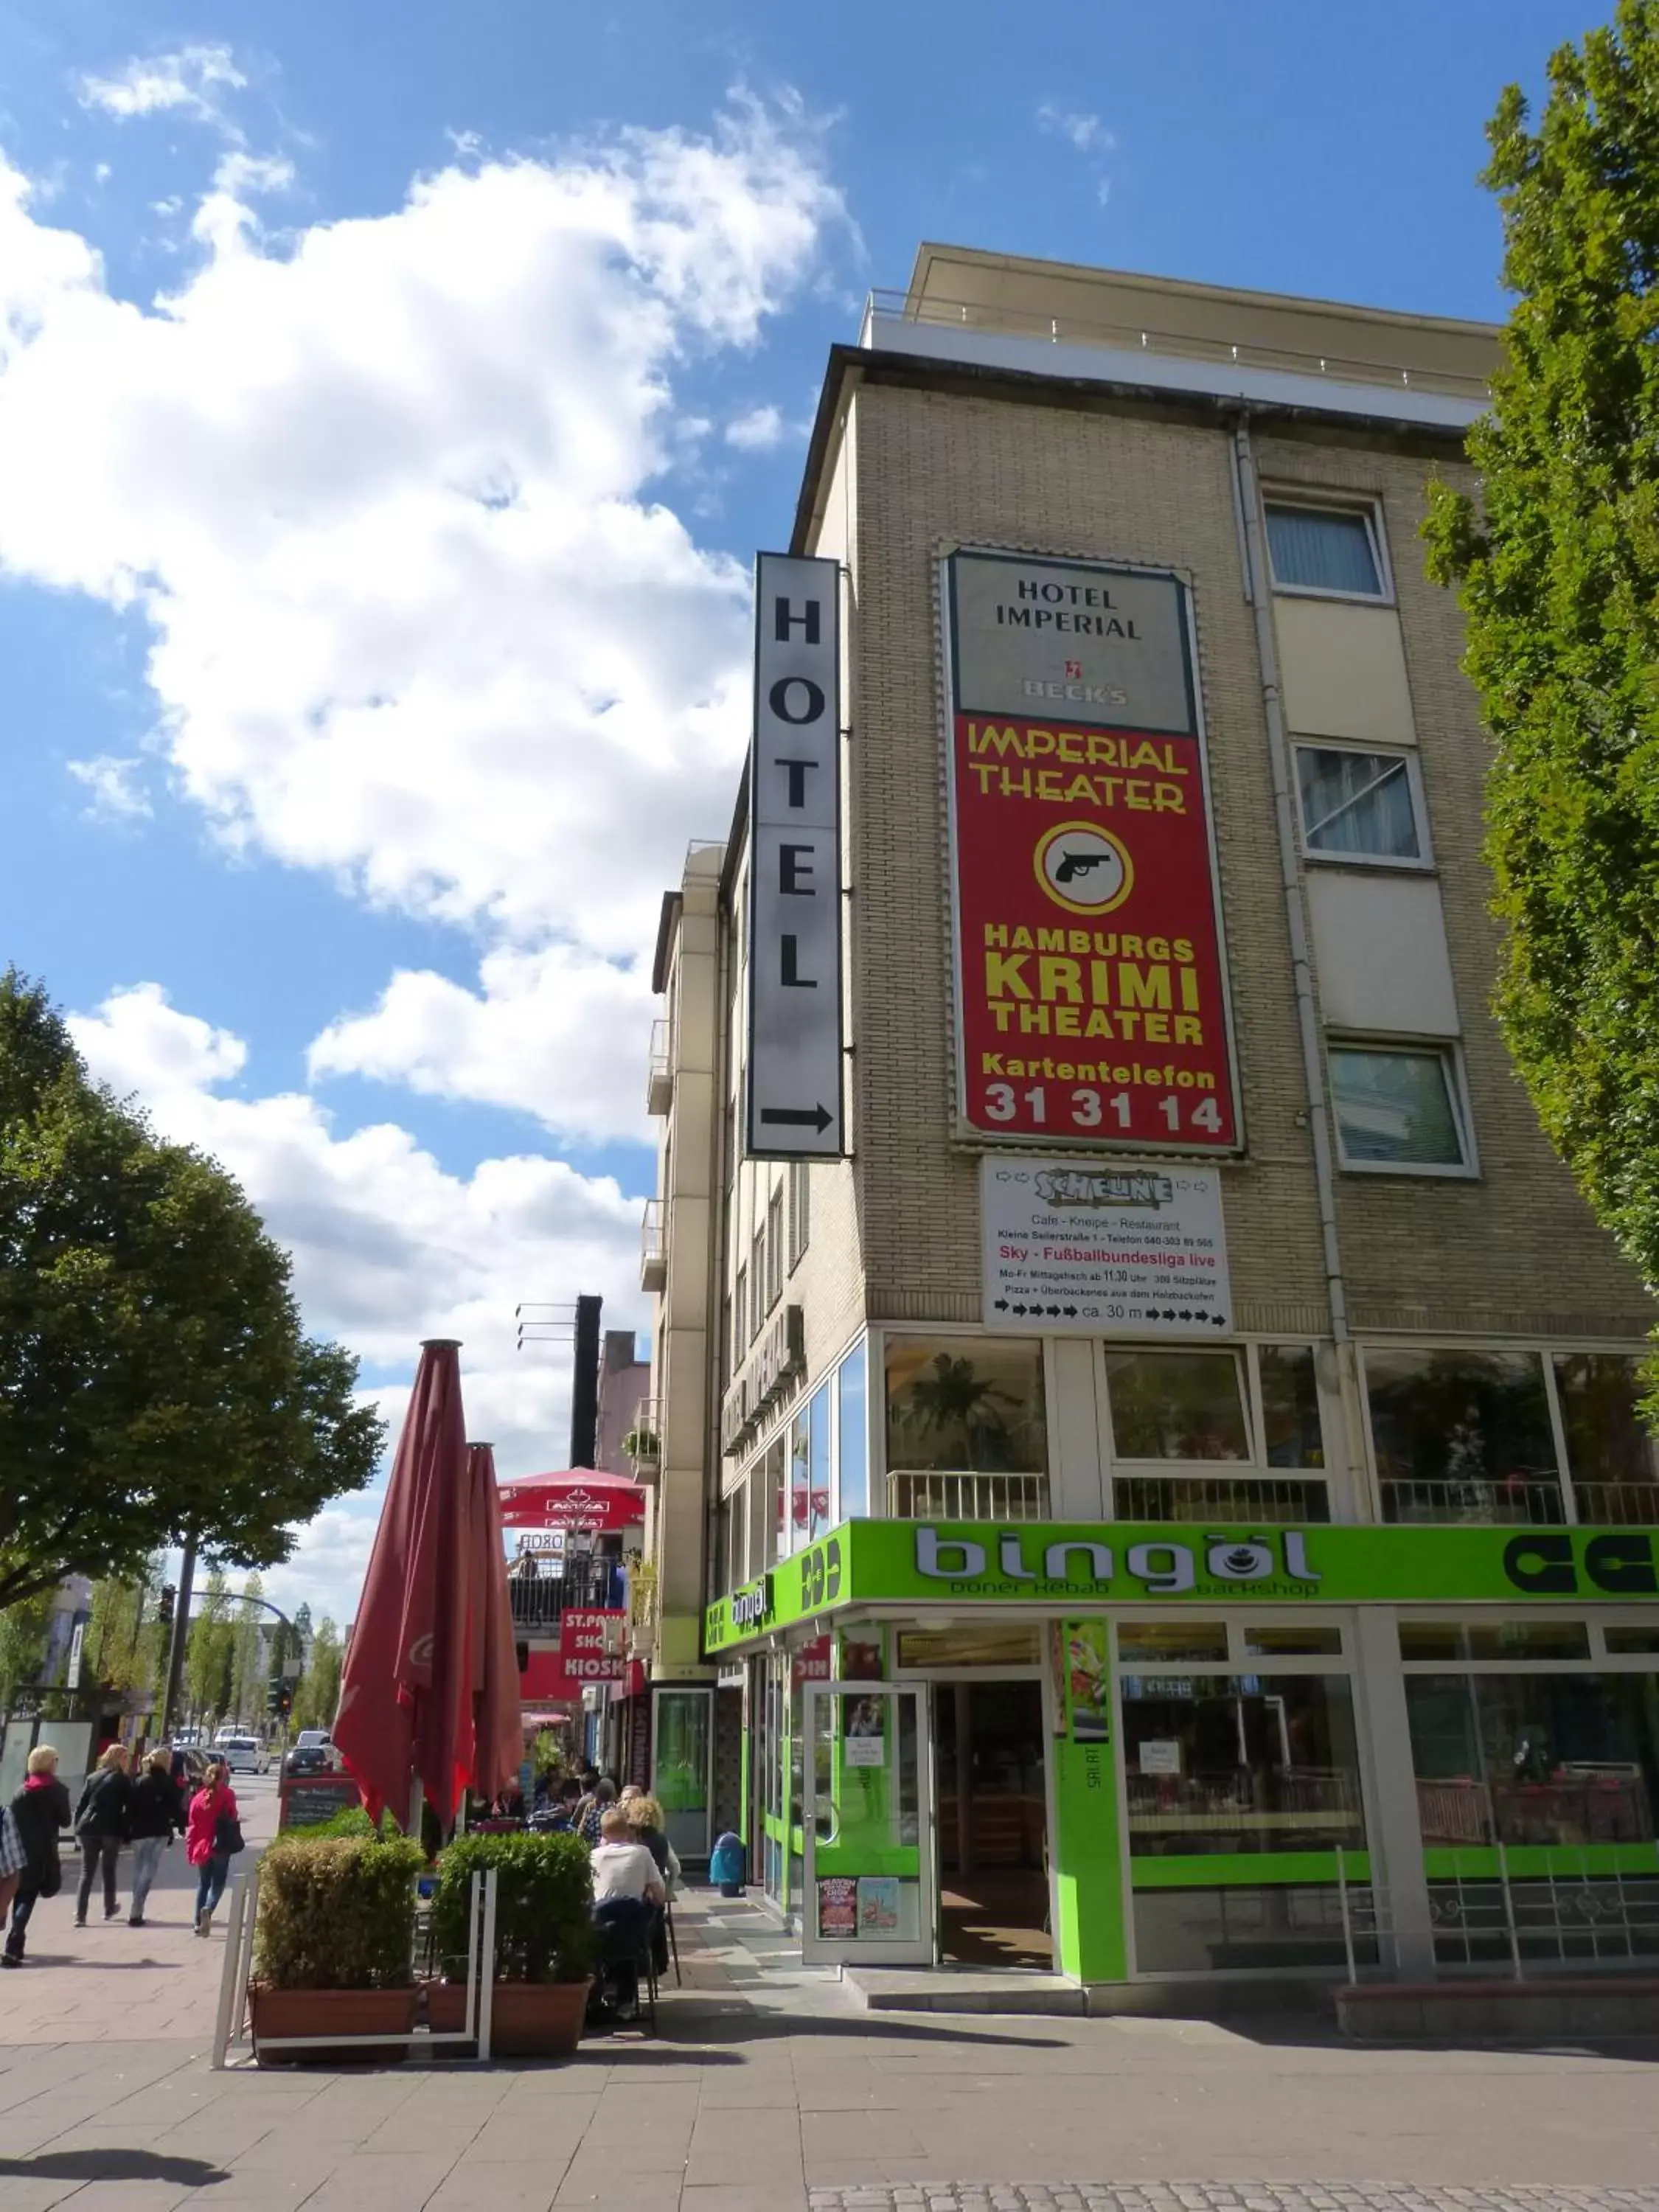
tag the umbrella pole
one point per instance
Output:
(417, 1805)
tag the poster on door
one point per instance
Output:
(866, 1743)
(838, 1907)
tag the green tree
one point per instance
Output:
(23, 1641)
(247, 1684)
(1559, 573)
(318, 1692)
(210, 1655)
(123, 1647)
(155, 1380)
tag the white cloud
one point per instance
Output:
(757, 432)
(390, 499)
(252, 172)
(387, 1247)
(152, 85)
(1086, 132)
(112, 781)
(554, 1032)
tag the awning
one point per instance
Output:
(578, 1497)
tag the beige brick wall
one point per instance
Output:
(1517, 1251)
(1112, 486)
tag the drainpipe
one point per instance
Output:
(1307, 1005)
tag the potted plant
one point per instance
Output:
(333, 1947)
(544, 1940)
(640, 1446)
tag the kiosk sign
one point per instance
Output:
(1091, 998)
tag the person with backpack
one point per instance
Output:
(103, 1822)
(213, 1836)
(39, 1811)
(158, 1815)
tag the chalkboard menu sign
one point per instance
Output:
(308, 1800)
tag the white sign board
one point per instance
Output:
(77, 1646)
(545, 1543)
(794, 1087)
(1073, 1247)
(1160, 1757)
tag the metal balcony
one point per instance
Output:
(1520, 1502)
(659, 1069)
(540, 1602)
(653, 1250)
(1220, 1497)
(1617, 1505)
(931, 1496)
(642, 1445)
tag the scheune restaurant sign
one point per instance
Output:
(871, 1563)
(1092, 1001)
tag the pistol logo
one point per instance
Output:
(1084, 868)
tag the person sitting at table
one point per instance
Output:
(628, 1894)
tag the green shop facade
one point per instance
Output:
(1204, 1746)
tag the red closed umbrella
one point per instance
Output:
(405, 1689)
(498, 1731)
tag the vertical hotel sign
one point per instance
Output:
(794, 1084)
(1091, 999)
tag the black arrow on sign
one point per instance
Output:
(1002, 1305)
(798, 1117)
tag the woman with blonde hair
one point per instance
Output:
(103, 1822)
(39, 1810)
(213, 1836)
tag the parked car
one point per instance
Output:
(309, 1759)
(243, 1754)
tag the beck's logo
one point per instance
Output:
(1544, 1563)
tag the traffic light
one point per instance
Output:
(275, 1691)
(285, 1701)
(164, 1604)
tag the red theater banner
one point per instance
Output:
(1091, 990)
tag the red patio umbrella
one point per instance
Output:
(405, 1689)
(498, 1734)
(579, 1498)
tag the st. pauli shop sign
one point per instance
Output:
(1090, 988)
(1059, 1564)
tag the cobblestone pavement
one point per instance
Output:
(1212, 2197)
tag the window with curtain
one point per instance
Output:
(1396, 1108)
(1358, 805)
(1324, 549)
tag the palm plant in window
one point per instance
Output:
(957, 1414)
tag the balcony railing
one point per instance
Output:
(1627, 1504)
(967, 1496)
(642, 1445)
(1521, 1501)
(540, 1604)
(659, 1069)
(653, 1248)
(1225, 1497)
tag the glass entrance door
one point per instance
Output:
(869, 1859)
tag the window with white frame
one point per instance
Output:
(774, 1247)
(1333, 551)
(1207, 1418)
(1398, 1108)
(1360, 805)
(741, 1301)
(757, 1282)
(1510, 1435)
(800, 1210)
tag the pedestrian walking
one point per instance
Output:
(158, 1815)
(103, 1822)
(39, 1811)
(13, 1859)
(213, 1836)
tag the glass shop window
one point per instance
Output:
(1535, 1758)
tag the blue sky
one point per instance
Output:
(372, 613)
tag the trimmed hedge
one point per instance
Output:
(337, 1912)
(543, 1905)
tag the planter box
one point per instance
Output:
(278, 2012)
(528, 2019)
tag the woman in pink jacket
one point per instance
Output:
(212, 1834)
